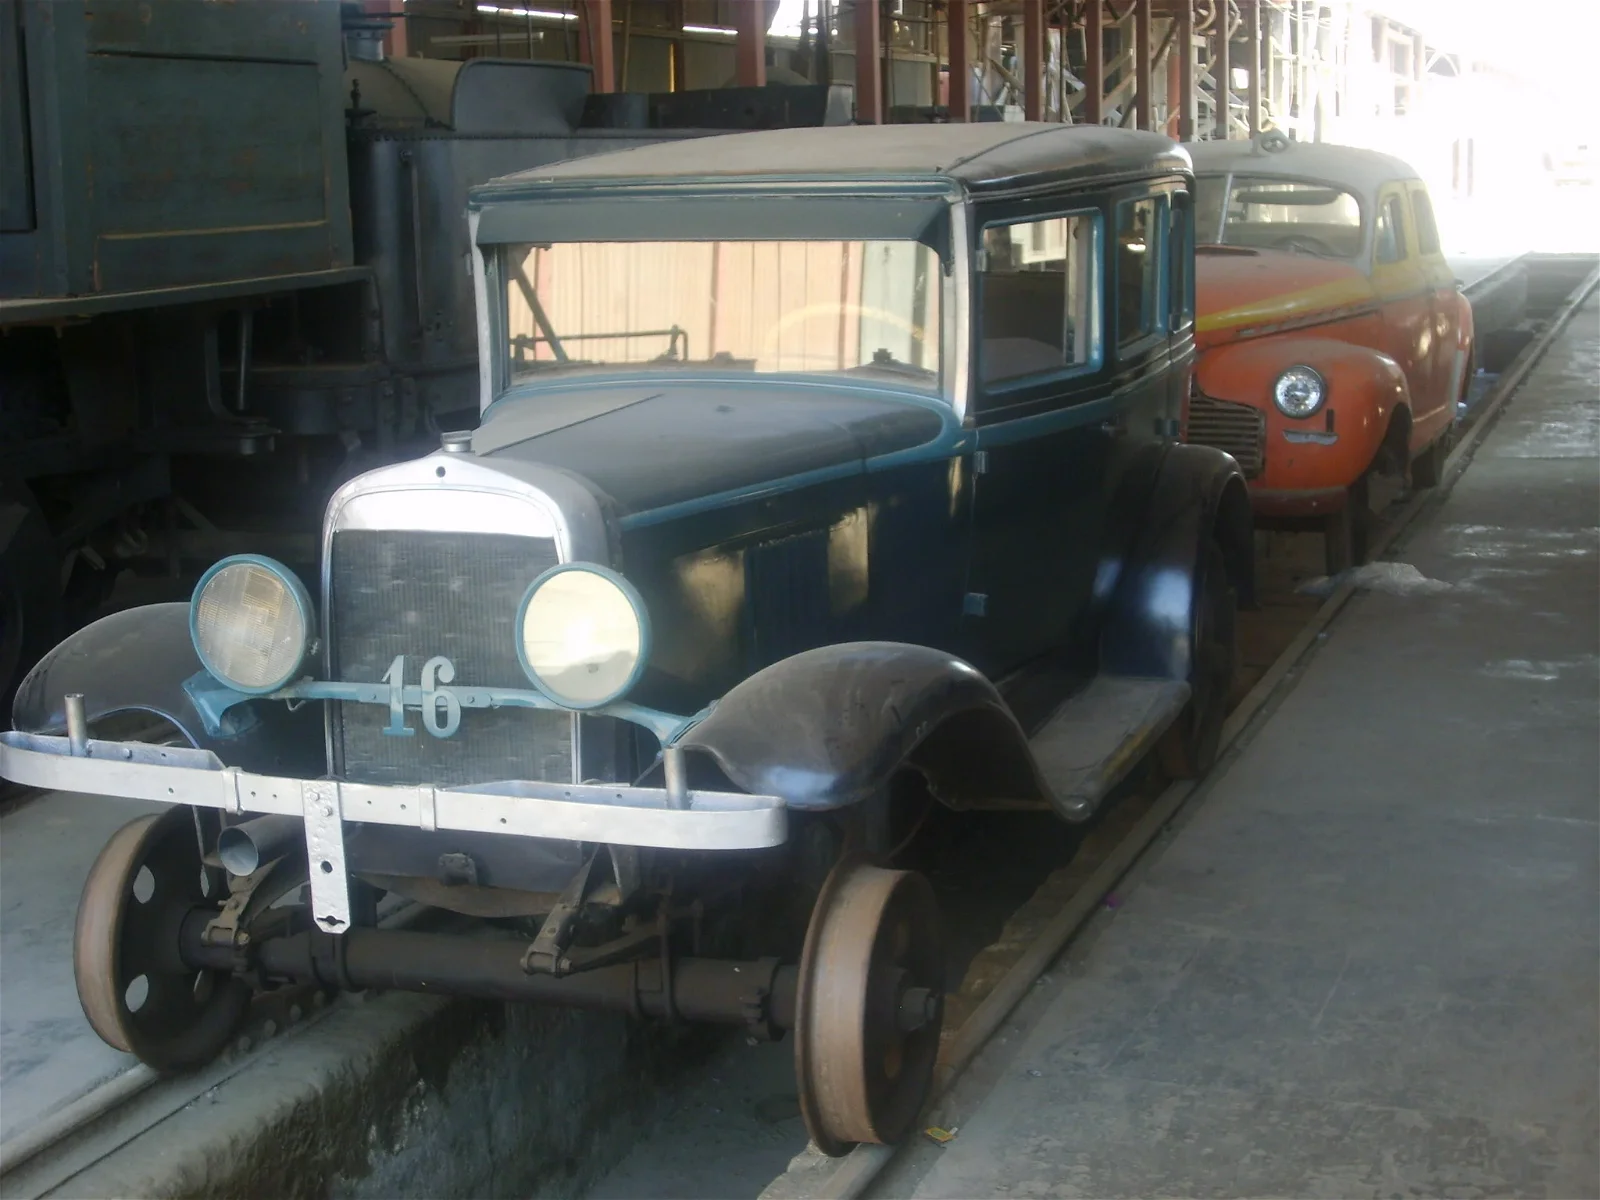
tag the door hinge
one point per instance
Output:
(974, 604)
(980, 462)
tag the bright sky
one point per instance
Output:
(1547, 39)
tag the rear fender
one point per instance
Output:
(139, 660)
(828, 728)
(1199, 495)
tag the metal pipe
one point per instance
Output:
(676, 773)
(715, 991)
(1143, 61)
(247, 318)
(77, 724)
(595, 45)
(1094, 64)
(1185, 50)
(1252, 35)
(1221, 72)
(750, 45)
(960, 100)
(245, 846)
(869, 72)
(1033, 60)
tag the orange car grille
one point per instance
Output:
(1236, 428)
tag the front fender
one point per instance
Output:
(1199, 495)
(138, 661)
(827, 728)
(1244, 373)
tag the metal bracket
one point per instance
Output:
(330, 884)
(625, 867)
(548, 953)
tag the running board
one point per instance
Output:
(1096, 737)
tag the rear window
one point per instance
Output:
(1039, 295)
(1279, 214)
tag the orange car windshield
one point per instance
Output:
(1275, 213)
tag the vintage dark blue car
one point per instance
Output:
(823, 475)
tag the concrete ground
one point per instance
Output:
(1367, 965)
(48, 1054)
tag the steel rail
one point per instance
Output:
(105, 1098)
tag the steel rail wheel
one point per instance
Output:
(132, 982)
(869, 1006)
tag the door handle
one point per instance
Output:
(1113, 427)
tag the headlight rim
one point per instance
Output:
(641, 616)
(1322, 391)
(297, 590)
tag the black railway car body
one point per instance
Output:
(234, 273)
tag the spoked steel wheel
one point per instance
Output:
(132, 982)
(869, 1007)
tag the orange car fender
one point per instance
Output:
(1366, 388)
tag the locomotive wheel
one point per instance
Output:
(132, 982)
(869, 1006)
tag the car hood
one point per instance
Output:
(1242, 292)
(650, 444)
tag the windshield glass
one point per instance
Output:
(1280, 214)
(868, 308)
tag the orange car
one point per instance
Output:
(1334, 342)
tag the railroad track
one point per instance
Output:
(1002, 946)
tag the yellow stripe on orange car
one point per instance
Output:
(1318, 302)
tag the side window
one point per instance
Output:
(1139, 262)
(1427, 227)
(1039, 298)
(1181, 253)
(1389, 235)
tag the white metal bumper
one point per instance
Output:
(618, 815)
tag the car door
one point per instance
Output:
(1403, 292)
(1434, 409)
(1042, 427)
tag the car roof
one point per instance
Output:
(982, 156)
(1363, 171)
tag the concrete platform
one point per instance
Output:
(48, 1054)
(1367, 963)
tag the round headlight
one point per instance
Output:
(251, 623)
(1299, 392)
(582, 635)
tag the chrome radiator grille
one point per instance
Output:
(425, 594)
(1238, 429)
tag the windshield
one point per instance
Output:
(1280, 214)
(867, 308)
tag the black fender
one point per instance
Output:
(138, 660)
(828, 728)
(1199, 494)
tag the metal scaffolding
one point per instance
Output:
(1190, 68)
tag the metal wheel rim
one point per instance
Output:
(861, 1079)
(185, 1017)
